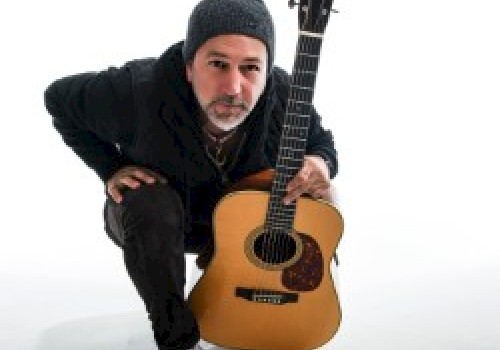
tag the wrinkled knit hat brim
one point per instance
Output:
(211, 18)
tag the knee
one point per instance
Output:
(157, 203)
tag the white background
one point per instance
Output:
(411, 91)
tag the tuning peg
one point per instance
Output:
(293, 3)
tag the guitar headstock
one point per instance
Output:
(313, 14)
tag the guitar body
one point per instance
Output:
(248, 301)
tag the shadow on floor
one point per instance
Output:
(127, 331)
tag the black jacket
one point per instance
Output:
(145, 113)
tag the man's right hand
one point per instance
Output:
(131, 177)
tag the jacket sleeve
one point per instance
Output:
(320, 143)
(320, 140)
(93, 112)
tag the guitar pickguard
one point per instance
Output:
(306, 274)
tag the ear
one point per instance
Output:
(189, 71)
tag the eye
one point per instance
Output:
(218, 64)
(250, 68)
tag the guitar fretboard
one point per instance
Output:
(293, 140)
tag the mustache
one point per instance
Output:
(230, 101)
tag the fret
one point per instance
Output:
(301, 87)
(301, 95)
(293, 142)
(282, 220)
(299, 101)
(302, 116)
(280, 209)
(284, 175)
(298, 110)
(288, 151)
(294, 132)
(289, 163)
(298, 115)
(281, 227)
(278, 231)
(284, 209)
(304, 78)
(307, 62)
(290, 159)
(293, 128)
(309, 44)
(288, 148)
(299, 119)
(284, 166)
(308, 55)
(287, 177)
(295, 155)
(291, 138)
(305, 72)
(310, 34)
(284, 214)
(299, 107)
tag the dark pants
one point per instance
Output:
(149, 226)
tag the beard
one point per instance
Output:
(233, 112)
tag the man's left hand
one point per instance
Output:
(313, 178)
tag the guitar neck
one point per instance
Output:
(293, 140)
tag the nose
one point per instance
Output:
(232, 82)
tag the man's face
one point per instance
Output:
(228, 75)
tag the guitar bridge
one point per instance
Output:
(266, 296)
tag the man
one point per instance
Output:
(168, 136)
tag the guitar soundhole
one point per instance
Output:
(274, 248)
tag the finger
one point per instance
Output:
(295, 193)
(290, 198)
(128, 181)
(317, 181)
(314, 185)
(115, 188)
(297, 186)
(158, 177)
(149, 176)
(318, 186)
(115, 194)
(144, 176)
(301, 178)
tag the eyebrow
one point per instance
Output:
(214, 53)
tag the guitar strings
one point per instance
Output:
(274, 246)
(270, 245)
(301, 92)
(306, 67)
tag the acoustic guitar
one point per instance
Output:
(269, 285)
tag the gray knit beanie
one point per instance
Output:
(215, 17)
